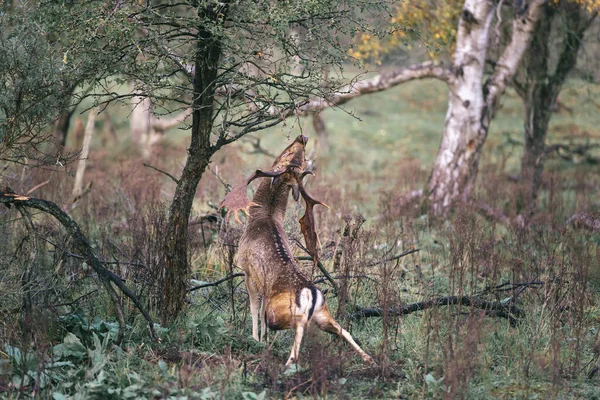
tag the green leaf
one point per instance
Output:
(254, 396)
(71, 347)
(162, 366)
(58, 396)
(17, 380)
(13, 352)
(291, 370)
(430, 380)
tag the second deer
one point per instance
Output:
(289, 299)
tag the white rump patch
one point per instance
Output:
(320, 300)
(306, 300)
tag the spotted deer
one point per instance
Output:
(289, 299)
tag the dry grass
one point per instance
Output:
(549, 269)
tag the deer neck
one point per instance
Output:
(270, 202)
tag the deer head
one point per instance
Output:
(270, 200)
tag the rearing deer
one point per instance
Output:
(289, 299)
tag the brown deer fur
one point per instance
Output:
(289, 299)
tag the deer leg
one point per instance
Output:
(326, 323)
(263, 320)
(254, 303)
(300, 319)
(300, 327)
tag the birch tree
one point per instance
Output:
(473, 92)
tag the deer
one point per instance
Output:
(286, 297)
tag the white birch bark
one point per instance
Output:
(147, 130)
(85, 152)
(471, 104)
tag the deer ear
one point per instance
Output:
(295, 192)
(237, 199)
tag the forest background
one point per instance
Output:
(456, 142)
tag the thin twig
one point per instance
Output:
(70, 303)
(36, 187)
(162, 172)
(215, 283)
(399, 256)
(227, 185)
(322, 268)
(321, 280)
(80, 257)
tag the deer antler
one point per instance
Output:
(307, 222)
(237, 199)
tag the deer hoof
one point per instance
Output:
(368, 359)
(290, 362)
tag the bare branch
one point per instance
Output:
(399, 256)
(162, 172)
(162, 124)
(377, 83)
(216, 283)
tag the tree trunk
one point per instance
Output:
(177, 270)
(458, 157)
(471, 104)
(63, 123)
(140, 121)
(147, 130)
(537, 110)
(541, 88)
(61, 127)
(85, 151)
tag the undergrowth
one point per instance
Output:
(63, 347)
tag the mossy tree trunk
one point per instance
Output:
(177, 271)
(540, 88)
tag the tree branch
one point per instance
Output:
(162, 172)
(216, 283)
(522, 30)
(162, 124)
(84, 246)
(494, 308)
(375, 84)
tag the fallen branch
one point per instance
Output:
(585, 220)
(36, 187)
(574, 152)
(510, 286)
(216, 283)
(496, 215)
(494, 308)
(84, 246)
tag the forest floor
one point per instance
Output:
(380, 147)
